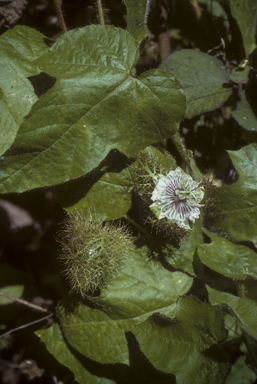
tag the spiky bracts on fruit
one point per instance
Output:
(92, 252)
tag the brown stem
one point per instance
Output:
(164, 37)
(24, 302)
(60, 15)
(26, 325)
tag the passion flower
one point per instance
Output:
(177, 196)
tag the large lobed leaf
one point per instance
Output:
(95, 106)
(237, 203)
(142, 288)
(177, 346)
(231, 260)
(203, 78)
(19, 47)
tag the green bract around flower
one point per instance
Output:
(177, 196)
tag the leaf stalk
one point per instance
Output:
(100, 12)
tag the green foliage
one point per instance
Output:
(178, 345)
(99, 133)
(202, 77)
(183, 257)
(53, 339)
(244, 114)
(135, 18)
(243, 309)
(13, 290)
(231, 260)
(240, 373)
(96, 76)
(246, 17)
(237, 203)
(16, 92)
(141, 288)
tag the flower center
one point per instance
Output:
(182, 194)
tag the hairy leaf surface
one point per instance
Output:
(229, 259)
(202, 77)
(141, 288)
(18, 48)
(95, 106)
(176, 346)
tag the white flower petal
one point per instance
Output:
(177, 196)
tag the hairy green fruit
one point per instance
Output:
(92, 252)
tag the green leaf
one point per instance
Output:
(13, 290)
(109, 198)
(95, 106)
(245, 310)
(141, 288)
(240, 373)
(246, 16)
(237, 203)
(202, 77)
(231, 260)
(53, 339)
(182, 258)
(136, 18)
(177, 346)
(18, 48)
(244, 114)
(239, 75)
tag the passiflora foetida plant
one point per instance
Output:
(160, 254)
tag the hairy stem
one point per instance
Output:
(100, 12)
(61, 15)
(187, 157)
(131, 221)
(24, 302)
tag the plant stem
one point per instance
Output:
(24, 302)
(61, 15)
(100, 12)
(242, 287)
(187, 156)
(131, 221)
(26, 325)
